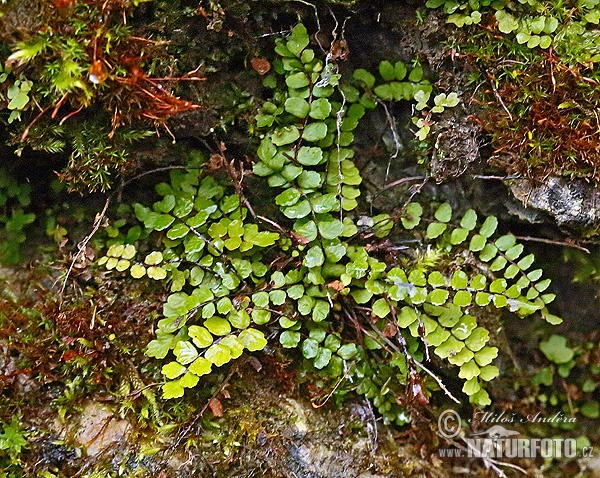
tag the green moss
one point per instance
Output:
(538, 59)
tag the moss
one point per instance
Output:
(539, 102)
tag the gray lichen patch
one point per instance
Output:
(572, 203)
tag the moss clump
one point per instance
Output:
(538, 60)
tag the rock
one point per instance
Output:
(572, 203)
(99, 429)
(316, 460)
(54, 453)
(310, 445)
(455, 147)
(592, 465)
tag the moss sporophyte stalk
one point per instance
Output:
(313, 278)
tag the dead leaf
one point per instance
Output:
(299, 238)
(216, 162)
(390, 330)
(216, 407)
(260, 65)
(336, 285)
(339, 50)
(255, 363)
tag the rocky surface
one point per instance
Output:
(261, 428)
(573, 204)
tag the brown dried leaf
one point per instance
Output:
(255, 363)
(336, 285)
(390, 330)
(299, 238)
(216, 407)
(260, 65)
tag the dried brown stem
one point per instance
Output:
(570, 244)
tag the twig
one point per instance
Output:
(58, 105)
(35, 120)
(264, 35)
(148, 40)
(317, 20)
(398, 182)
(100, 216)
(169, 78)
(337, 385)
(488, 461)
(339, 118)
(573, 245)
(498, 96)
(417, 190)
(397, 145)
(70, 115)
(569, 400)
(416, 362)
(500, 178)
(273, 223)
(157, 170)
(82, 245)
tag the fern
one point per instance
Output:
(333, 298)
